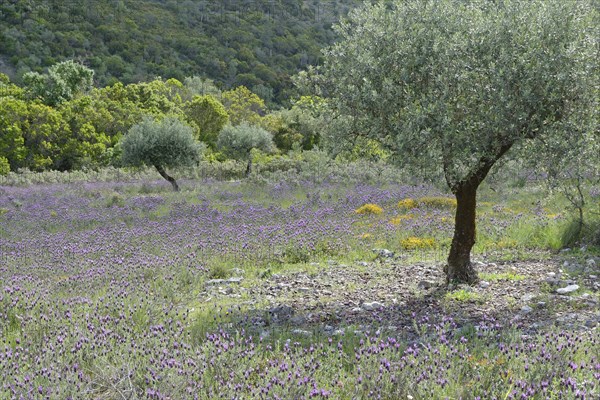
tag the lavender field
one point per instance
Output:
(240, 290)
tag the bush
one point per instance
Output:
(369, 209)
(4, 166)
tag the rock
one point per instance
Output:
(332, 262)
(593, 277)
(526, 309)
(541, 304)
(212, 282)
(226, 290)
(424, 284)
(527, 297)
(551, 281)
(383, 253)
(281, 313)
(298, 320)
(568, 289)
(328, 328)
(301, 332)
(363, 264)
(591, 323)
(551, 274)
(484, 284)
(591, 262)
(356, 310)
(372, 306)
(304, 289)
(339, 332)
(238, 271)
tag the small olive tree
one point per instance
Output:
(238, 141)
(451, 86)
(161, 144)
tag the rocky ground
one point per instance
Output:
(396, 296)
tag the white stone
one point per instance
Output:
(568, 289)
(372, 306)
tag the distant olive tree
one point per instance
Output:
(238, 141)
(451, 86)
(161, 144)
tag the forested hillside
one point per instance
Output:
(255, 43)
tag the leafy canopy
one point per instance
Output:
(209, 115)
(163, 144)
(238, 141)
(62, 82)
(453, 85)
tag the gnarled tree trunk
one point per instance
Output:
(169, 178)
(459, 268)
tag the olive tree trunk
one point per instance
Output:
(459, 268)
(249, 166)
(169, 178)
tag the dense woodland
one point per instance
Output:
(254, 43)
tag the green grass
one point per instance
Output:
(463, 295)
(505, 276)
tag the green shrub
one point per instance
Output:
(4, 166)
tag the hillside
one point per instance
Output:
(256, 43)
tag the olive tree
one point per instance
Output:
(161, 144)
(238, 141)
(451, 86)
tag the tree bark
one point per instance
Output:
(249, 166)
(169, 178)
(459, 268)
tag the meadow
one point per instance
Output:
(272, 289)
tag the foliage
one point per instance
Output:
(237, 141)
(257, 43)
(407, 204)
(448, 97)
(300, 126)
(369, 209)
(414, 243)
(63, 82)
(209, 115)
(243, 106)
(10, 89)
(4, 166)
(13, 114)
(167, 143)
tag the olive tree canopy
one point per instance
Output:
(452, 85)
(161, 144)
(238, 141)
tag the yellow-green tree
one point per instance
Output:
(243, 106)
(209, 117)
